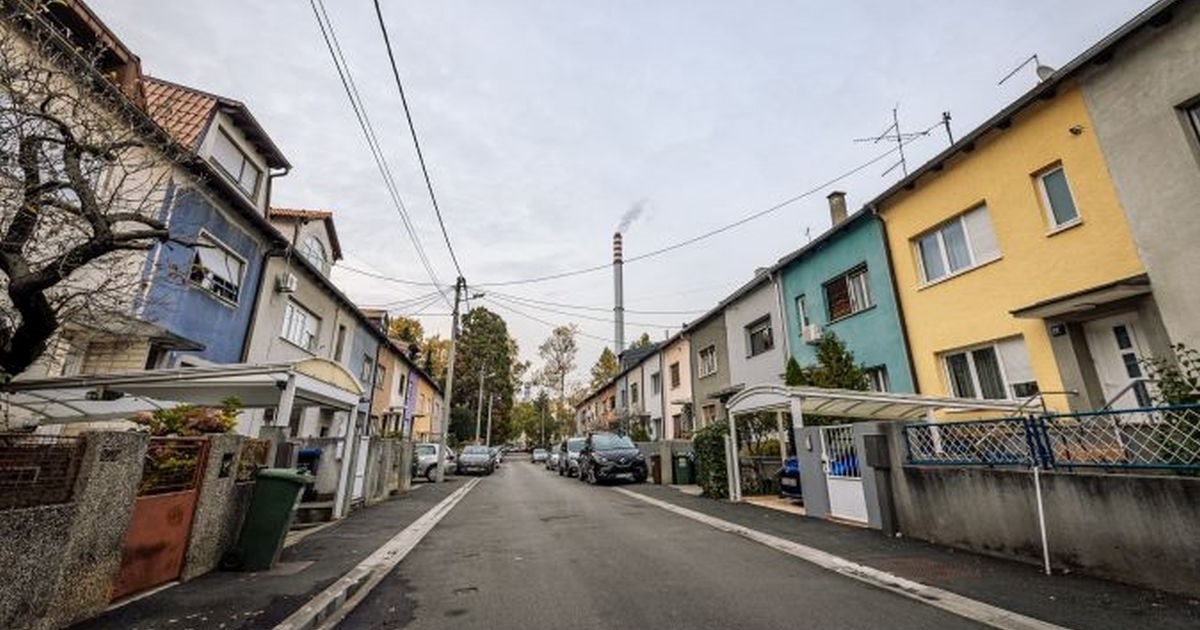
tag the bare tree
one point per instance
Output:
(81, 184)
(558, 355)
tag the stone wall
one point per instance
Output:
(219, 508)
(1141, 529)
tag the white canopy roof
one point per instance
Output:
(107, 396)
(848, 403)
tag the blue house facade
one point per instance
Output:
(841, 283)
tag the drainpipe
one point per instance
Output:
(887, 250)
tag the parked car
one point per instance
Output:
(607, 456)
(475, 459)
(568, 456)
(552, 461)
(497, 455)
(789, 479)
(539, 455)
(426, 461)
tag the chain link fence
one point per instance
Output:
(1165, 438)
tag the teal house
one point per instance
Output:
(841, 283)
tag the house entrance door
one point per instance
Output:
(1116, 346)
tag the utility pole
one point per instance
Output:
(491, 399)
(479, 406)
(543, 414)
(459, 287)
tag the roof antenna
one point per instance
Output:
(1043, 71)
(893, 134)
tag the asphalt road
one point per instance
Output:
(529, 549)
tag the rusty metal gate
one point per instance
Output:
(157, 538)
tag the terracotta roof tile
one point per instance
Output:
(182, 111)
(311, 215)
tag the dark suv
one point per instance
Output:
(608, 456)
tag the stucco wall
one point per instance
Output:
(266, 342)
(873, 335)
(764, 368)
(652, 403)
(678, 351)
(1035, 264)
(1154, 157)
(708, 333)
(177, 305)
(219, 508)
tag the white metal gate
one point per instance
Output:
(360, 466)
(843, 476)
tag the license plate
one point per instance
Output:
(787, 481)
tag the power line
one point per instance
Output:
(379, 276)
(413, 130)
(539, 320)
(606, 309)
(580, 316)
(711, 233)
(364, 122)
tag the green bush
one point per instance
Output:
(709, 444)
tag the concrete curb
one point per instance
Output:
(332, 605)
(960, 605)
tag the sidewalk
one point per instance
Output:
(229, 601)
(1072, 601)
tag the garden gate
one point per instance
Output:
(843, 476)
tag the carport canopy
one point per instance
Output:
(863, 405)
(83, 398)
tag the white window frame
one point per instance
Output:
(366, 371)
(1047, 207)
(801, 312)
(995, 346)
(656, 383)
(975, 263)
(878, 379)
(205, 283)
(700, 370)
(759, 325)
(307, 249)
(236, 178)
(290, 310)
(855, 276)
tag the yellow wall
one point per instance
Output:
(1034, 265)
(424, 424)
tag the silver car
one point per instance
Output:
(539, 455)
(426, 461)
(568, 456)
(475, 459)
(552, 461)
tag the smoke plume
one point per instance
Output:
(631, 215)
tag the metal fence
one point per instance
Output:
(1166, 438)
(172, 465)
(37, 469)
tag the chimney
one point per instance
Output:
(837, 207)
(618, 297)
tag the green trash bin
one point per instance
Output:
(683, 469)
(268, 519)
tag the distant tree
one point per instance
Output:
(484, 345)
(406, 329)
(558, 353)
(641, 342)
(435, 355)
(605, 368)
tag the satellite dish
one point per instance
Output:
(1044, 72)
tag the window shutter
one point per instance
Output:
(1015, 358)
(981, 235)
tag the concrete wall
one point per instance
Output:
(873, 335)
(329, 464)
(812, 473)
(1139, 529)
(1153, 155)
(766, 367)
(58, 562)
(710, 332)
(652, 403)
(220, 507)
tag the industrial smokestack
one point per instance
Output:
(618, 297)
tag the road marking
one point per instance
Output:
(330, 606)
(939, 598)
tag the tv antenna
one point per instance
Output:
(893, 134)
(1043, 71)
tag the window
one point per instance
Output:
(403, 380)
(848, 294)
(364, 373)
(708, 361)
(232, 161)
(758, 337)
(708, 414)
(341, 342)
(963, 242)
(655, 383)
(995, 371)
(877, 379)
(300, 326)
(1057, 198)
(1193, 114)
(674, 368)
(216, 269)
(380, 377)
(801, 312)
(314, 250)
(633, 393)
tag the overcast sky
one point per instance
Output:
(544, 121)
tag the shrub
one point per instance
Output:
(709, 444)
(190, 420)
(1177, 378)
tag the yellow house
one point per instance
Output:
(1015, 267)
(427, 420)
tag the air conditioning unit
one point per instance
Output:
(811, 333)
(286, 282)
